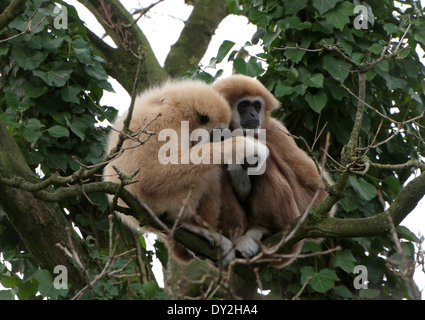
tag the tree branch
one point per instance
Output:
(330, 227)
(121, 62)
(31, 218)
(196, 36)
(13, 10)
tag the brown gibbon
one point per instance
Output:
(286, 188)
(174, 165)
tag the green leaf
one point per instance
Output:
(320, 281)
(311, 246)
(293, 22)
(366, 190)
(61, 117)
(58, 131)
(12, 100)
(32, 90)
(253, 67)
(57, 76)
(31, 135)
(7, 295)
(96, 71)
(292, 6)
(331, 65)
(383, 66)
(26, 58)
(300, 89)
(391, 28)
(50, 43)
(27, 290)
(250, 68)
(142, 241)
(345, 260)
(294, 54)
(70, 94)
(79, 127)
(283, 89)
(34, 157)
(19, 23)
(233, 6)
(32, 131)
(4, 51)
(343, 292)
(104, 84)
(420, 36)
(9, 281)
(407, 234)
(368, 293)
(393, 82)
(375, 48)
(82, 51)
(317, 102)
(161, 252)
(150, 288)
(258, 18)
(349, 202)
(339, 16)
(34, 124)
(269, 37)
(324, 5)
(224, 49)
(45, 285)
(315, 81)
(393, 184)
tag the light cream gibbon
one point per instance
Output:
(192, 170)
(278, 196)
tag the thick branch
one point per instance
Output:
(40, 225)
(196, 36)
(330, 227)
(413, 163)
(121, 62)
(13, 10)
(188, 239)
(349, 151)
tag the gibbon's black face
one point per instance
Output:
(249, 110)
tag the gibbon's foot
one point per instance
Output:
(214, 239)
(248, 243)
(246, 246)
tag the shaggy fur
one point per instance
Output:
(163, 187)
(291, 178)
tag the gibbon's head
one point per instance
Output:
(190, 100)
(250, 101)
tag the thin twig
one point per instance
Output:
(296, 297)
(182, 210)
(141, 12)
(28, 27)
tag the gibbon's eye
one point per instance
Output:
(204, 119)
(243, 104)
(257, 105)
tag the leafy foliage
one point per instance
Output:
(50, 86)
(52, 81)
(306, 80)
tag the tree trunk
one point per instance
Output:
(41, 225)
